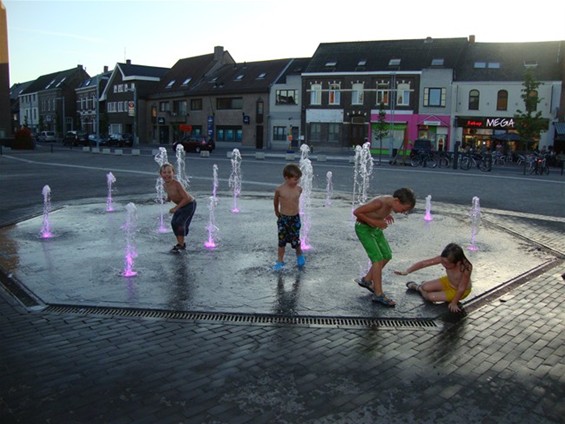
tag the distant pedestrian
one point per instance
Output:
(454, 286)
(184, 208)
(372, 218)
(287, 210)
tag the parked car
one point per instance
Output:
(75, 138)
(121, 140)
(47, 136)
(195, 144)
(97, 141)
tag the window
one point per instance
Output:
(502, 100)
(394, 62)
(434, 97)
(315, 132)
(229, 103)
(262, 75)
(383, 93)
(334, 133)
(403, 94)
(474, 100)
(357, 93)
(286, 97)
(164, 107)
(316, 94)
(195, 104)
(186, 81)
(334, 94)
(480, 65)
(437, 62)
(231, 134)
(170, 84)
(180, 108)
(279, 133)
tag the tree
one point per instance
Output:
(381, 129)
(529, 123)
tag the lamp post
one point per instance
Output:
(63, 120)
(135, 141)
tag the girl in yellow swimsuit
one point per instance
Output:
(451, 288)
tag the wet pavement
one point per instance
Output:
(78, 343)
(84, 261)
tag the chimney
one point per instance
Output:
(105, 68)
(128, 62)
(79, 67)
(218, 53)
(471, 39)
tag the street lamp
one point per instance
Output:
(135, 141)
(63, 121)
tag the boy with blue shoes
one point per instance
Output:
(287, 209)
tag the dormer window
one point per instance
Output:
(170, 84)
(493, 65)
(239, 77)
(437, 62)
(362, 62)
(480, 65)
(262, 75)
(394, 62)
(331, 64)
(186, 81)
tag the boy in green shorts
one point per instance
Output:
(372, 218)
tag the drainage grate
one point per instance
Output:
(249, 319)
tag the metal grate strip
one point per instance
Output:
(260, 319)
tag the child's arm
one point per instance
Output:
(276, 203)
(184, 198)
(463, 284)
(366, 214)
(419, 265)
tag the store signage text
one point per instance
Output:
(489, 123)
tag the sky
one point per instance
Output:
(49, 36)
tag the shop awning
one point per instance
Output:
(559, 128)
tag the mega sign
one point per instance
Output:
(488, 123)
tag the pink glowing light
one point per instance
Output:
(128, 271)
(46, 234)
(305, 246)
(428, 217)
(210, 245)
(235, 210)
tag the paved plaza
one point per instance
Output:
(217, 337)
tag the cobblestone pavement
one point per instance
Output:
(503, 362)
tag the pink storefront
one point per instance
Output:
(406, 127)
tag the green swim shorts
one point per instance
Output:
(374, 242)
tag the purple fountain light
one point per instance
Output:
(475, 223)
(305, 197)
(46, 227)
(110, 179)
(235, 178)
(428, 216)
(130, 227)
(211, 227)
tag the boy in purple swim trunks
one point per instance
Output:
(287, 208)
(372, 218)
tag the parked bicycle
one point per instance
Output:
(539, 165)
(443, 159)
(424, 159)
(471, 160)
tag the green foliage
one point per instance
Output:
(23, 139)
(381, 127)
(529, 123)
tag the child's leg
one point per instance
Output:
(280, 254)
(432, 291)
(375, 275)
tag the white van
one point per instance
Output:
(47, 136)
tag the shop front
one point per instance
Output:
(489, 133)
